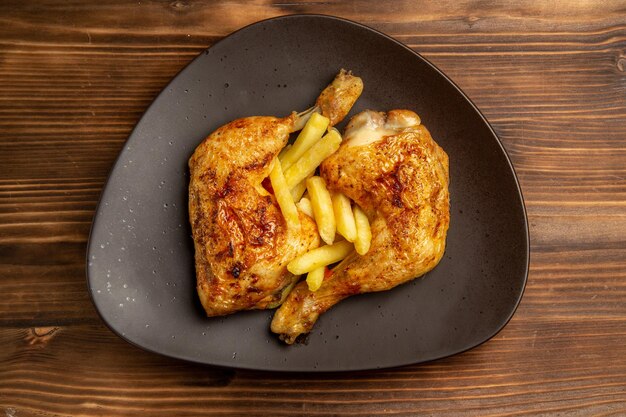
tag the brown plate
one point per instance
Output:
(140, 254)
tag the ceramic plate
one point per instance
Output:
(140, 254)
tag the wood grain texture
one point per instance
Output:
(112, 376)
(550, 77)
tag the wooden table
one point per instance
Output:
(550, 77)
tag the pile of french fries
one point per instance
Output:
(296, 187)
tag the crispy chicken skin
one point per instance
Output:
(242, 244)
(391, 167)
(338, 98)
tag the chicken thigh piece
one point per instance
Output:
(242, 243)
(392, 168)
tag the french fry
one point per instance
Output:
(312, 132)
(311, 159)
(283, 196)
(282, 153)
(298, 190)
(315, 278)
(318, 257)
(363, 231)
(322, 208)
(344, 217)
(304, 205)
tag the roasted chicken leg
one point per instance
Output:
(242, 243)
(392, 168)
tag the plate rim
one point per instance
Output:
(342, 20)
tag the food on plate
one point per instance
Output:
(390, 166)
(312, 158)
(339, 96)
(283, 196)
(357, 214)
(243, 241)
(322, 256)
(322, 208)
(344, 216)
(313, 130)
(315, 278)
(298, 190)
(304, 205)
(363, 231)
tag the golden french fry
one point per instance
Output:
(282, 153)
(344, 216)
(283, 196)
(304, 205)
(318, 257)
(311, 159)
(315, 278)
(322, 208)
(363, 231)
(312, 132)
(298, 190)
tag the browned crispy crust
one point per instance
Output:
(242, 244)
(337, 99)
(401, 182)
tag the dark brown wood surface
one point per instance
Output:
(75, 76)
